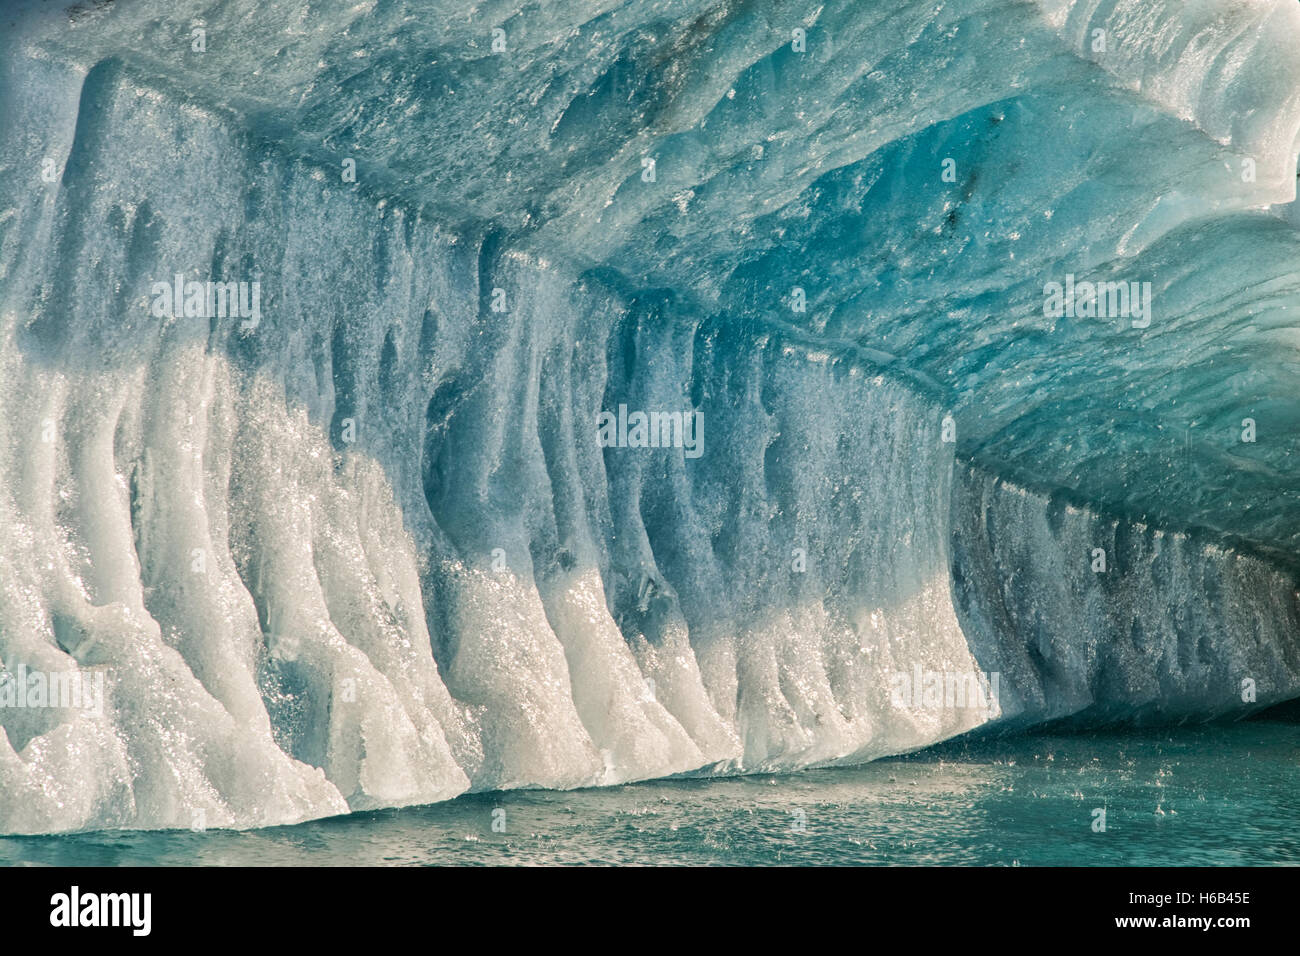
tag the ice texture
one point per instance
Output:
(367, 551)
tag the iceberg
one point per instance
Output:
(370, 518)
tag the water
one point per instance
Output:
(1200, 796)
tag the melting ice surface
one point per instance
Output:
(366, 550)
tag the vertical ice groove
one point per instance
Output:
(1100, 619)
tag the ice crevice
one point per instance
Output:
(367, 550)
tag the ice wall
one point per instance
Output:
(365, 548)
(368, 551)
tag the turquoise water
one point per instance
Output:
(1197, 796)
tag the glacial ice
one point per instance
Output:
(368, 553)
